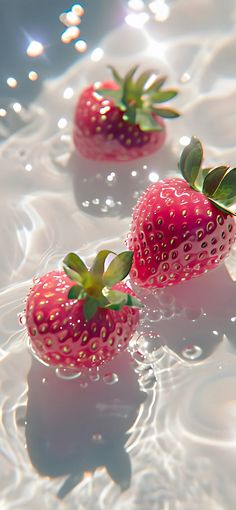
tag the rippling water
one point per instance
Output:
(164, 424)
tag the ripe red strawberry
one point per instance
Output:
(181, 229)
(78, 318)
(121, 120)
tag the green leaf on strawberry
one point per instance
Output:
(217, 184)
(118, 299)
(97, 268)
(76, 292)
(138, 99)
(225, 193)
(191, 160)
(156, 84)
(143, 80)
(115, 298)
(75, 268)
(147, 122)
(90, 307)
(118, 269)
(160, 96)
(116, 75)
(213, 179)
(94, 286)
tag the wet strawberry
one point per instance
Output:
(182, 229)
(120, 120)
(78, 318)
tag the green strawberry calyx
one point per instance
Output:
(95, 286)
(139, 99)
(218, 184)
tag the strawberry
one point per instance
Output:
(182, 229)
(78, 318)
(120, 120)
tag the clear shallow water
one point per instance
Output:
(180, 404)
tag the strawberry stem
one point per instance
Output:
(138, 100)
(94, 286)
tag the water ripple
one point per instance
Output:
(181, 438)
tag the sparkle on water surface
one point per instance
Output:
(11, 82)
(35, 49)
(181, 436)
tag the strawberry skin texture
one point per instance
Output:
(60, 336)
(176, 234)
(100, 133)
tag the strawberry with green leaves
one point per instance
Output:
(79, 318)
(183, 227)
(122, 119)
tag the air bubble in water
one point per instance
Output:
(84, 385)
(150, 344)
(138, 356)
(154, 315)
(111, 177)
(110, 202)
(94, 377)
(192, 352)
(110, 378)
(66, 373)
(36, 279)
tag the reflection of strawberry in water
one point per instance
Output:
(74, 427)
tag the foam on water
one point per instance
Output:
(172, 414)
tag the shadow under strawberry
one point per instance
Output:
(194, 313)
(73, 426)
(111, 189)
(103, 189)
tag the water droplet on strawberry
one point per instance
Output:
(36, 279)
